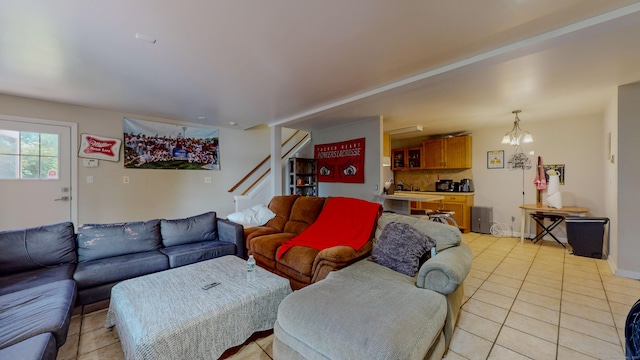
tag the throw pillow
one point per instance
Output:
(257, 215)
(400, 247)
(446, 236)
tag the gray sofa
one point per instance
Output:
(37, 292)
(46, 271)
(110, 253)
(369, 311)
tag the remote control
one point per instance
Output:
(209, 286)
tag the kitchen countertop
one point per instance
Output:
(413, 196)
(441, 193)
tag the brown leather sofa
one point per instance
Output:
(301, 265)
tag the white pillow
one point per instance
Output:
(263, 214)
(256, 215)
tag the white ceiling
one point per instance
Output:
(447, 65)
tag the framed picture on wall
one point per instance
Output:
(495, 159)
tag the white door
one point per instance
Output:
(35, 174)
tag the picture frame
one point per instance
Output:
(559, 168)
(495, 159)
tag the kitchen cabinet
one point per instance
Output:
(303, 176)
(459, 203)
(386, 145)
(447, 153)
(407, 159)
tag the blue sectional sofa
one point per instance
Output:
(110, 253)
(46, 271)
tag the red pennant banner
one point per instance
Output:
(341, 162)
(98, 147)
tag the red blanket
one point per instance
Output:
(342, 221)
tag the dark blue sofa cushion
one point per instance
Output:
(37, 247)
(38, 310)
(28, 279)
(118, 268)
(190, 253)
(39, 347)
(189, 230)
(99, 241)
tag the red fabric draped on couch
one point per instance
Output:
(343, 221)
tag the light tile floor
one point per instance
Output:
(530, 301)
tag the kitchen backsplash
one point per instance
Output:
(426, 179)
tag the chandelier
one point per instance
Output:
(517, 135)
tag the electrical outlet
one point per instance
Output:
(207, 180)
(125, 179)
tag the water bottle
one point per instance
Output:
(251, 268)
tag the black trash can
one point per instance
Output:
(585, 235)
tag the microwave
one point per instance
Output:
(444, 185)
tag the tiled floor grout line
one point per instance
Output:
(79, 334)
(562, 289)
(606, 295)
(608, 306)
(564, 261)
(514, 299)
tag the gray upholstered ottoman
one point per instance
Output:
(172, 314)
(364, 311)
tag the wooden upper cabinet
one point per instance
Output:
(398, 159)
(447, 153)
(414, 158)
(458, 152)
(407, 158)
(433, 156)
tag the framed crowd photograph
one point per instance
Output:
(495, 159)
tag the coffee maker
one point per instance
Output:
(466, 185)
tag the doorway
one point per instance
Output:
(37, 172)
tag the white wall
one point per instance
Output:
(611, 179)
(576, 142)
(370, 129)
(628, 246)
(150, 193)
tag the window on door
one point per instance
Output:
(28, 155)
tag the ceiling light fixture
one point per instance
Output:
(516, 134)
(405, 130)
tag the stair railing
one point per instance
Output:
(266, 172)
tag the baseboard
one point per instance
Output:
(625, 273)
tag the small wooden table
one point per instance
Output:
(527, 208)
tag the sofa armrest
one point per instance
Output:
(335, 258)
(231, 232)
(444, 272)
